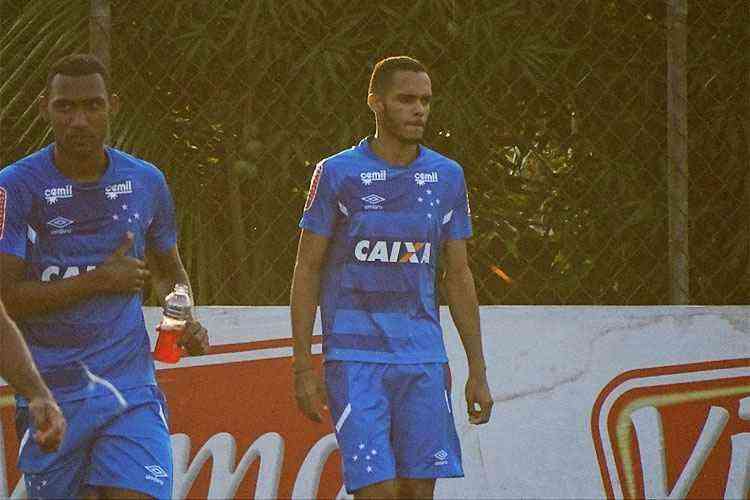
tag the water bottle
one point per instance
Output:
(176, 313)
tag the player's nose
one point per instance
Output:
(79, 119)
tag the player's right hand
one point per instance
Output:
(49, 423)
(121, 273)
(310, 392)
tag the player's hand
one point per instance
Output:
(121, 273)
(478, 399)
(49, 423)
(194, 339)
(310, 393)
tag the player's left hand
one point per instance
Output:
(195, 338)
(49, 422)
(478, 399)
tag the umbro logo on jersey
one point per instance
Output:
(372, 202)
(396, 252)
(60, 225)
(370, 177)
(421, 178)
(54, 194)
(114, 190)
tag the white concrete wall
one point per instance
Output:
(546, 367)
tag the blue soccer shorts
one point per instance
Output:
(393, 421)
(105, 445)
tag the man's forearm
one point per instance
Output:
(303, 306)
(464, 307)
(28, 298)
(16, 365)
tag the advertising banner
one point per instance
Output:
(590, 402)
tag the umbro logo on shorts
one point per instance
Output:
(156, 470)
(441, 457)
(156, 474)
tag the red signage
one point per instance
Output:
(235, 429)
(678, 432)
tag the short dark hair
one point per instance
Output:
(383, 71)
(78, 65)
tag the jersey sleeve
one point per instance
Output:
(15, 207)
(162, 232)
(458, 220)
(319, 215)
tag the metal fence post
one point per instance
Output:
(677, 155)
(100, 23)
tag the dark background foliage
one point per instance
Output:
(556, 109)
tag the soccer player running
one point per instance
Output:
(378, 218)
(85, 227)
(18, 368)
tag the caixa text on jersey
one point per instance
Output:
(52, 273)
(405, 252)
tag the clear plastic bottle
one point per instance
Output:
(176, 313)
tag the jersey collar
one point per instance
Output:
(365, 148)
(107, 177)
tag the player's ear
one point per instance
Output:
(44, 107)
(114, 103)
(374, 103)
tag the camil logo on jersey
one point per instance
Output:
(422, 178)
(370, 177)
(54, 194)
(396, 252)
(114, 190)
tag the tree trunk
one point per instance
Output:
(100, 24)
(677, 131)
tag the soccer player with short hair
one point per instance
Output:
(84, 227)
(378, 218)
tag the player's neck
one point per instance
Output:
(81, 169)
(393, 150)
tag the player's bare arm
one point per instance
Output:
(17, 367)
(308, 387)
(166, 269)
(22, 297)
(464, 307)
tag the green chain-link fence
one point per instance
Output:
(558, 111)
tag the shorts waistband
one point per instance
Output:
(69, 377)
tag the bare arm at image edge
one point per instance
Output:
(17, 367)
